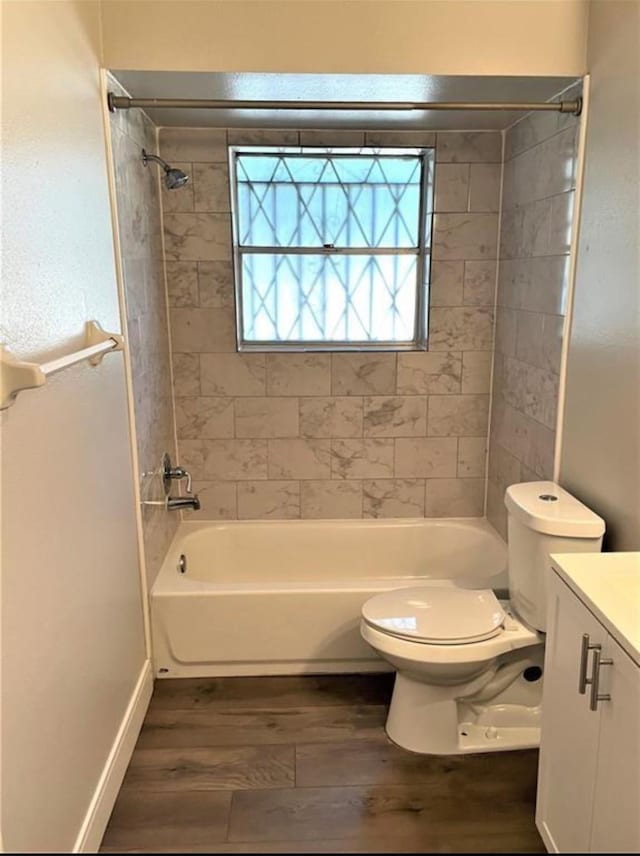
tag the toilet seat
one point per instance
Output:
(513, 635)
(433, 615)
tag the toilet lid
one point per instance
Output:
(442, 616)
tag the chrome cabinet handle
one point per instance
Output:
(595, 679)
(586, 646)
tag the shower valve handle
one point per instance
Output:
(170, 473)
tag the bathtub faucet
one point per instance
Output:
(175, 503)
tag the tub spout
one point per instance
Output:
(176, 503)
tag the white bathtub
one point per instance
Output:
(284, 597)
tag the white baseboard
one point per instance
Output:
(104, 797)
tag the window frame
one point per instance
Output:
(422, 253)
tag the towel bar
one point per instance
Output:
(17, 375)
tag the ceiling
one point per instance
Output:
(340, 87)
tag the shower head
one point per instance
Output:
(173, 178)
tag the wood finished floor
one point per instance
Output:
(302, 765)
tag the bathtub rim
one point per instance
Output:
(169, 582)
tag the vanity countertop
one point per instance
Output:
(609, 585)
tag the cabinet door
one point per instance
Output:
(616, 807)
(569, 742)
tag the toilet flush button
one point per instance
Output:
(491, 733)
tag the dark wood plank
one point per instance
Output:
(455, 842)
(148, 822)
(270, 692)
(381, 762)
(421, 814)
(210, 727)
(215, 768)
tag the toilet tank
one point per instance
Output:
(544, 519)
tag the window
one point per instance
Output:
(331, 247)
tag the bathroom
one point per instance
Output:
(223, 519)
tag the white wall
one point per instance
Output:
(601, 437)
(73, 642)
(538, 37)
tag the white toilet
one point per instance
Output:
(469, 667)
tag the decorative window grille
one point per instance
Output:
(331, 247)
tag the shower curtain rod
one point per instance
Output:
(124, 102)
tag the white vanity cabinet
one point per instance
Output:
(589, 776)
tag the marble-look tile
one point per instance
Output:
(540, 453)
(479, 283)
(179, 199)
(536, 228)
(521, 178)
(217, 500)
(506, 470)
(454, 498)
(472, 453)
(331, 499)
(331, 417)
(425, 457)
(452, 187)
(464, 328)
(186, 374)
(203, 330)
(363, 374)
(511, 234)
(529, 338)
(447, 283)
(234, 460)
(328, 138)
(532, 390)
(263, 137)
(464, 236)
(529, 131)
(457, 415)
(412, 139)
(140, 234)
(197, 237)
(496, 511)
(559, 156)
(429, 372)
(233, 374)
(268, 500)
(299, 459)
(552, 337)
(469, 147)
(513, 281)
(198, 417)
(211, 187)
(298, 374)
(526, 439)
(359, 459)
(266, 417)
(135, 287)
(182, 284)
(193, 144)
(191, 454)
(215, 285)
(547, 285)
(393, 498)
(476, 372)
(506, 331)
(484, 186)
(561, 224)
(395, 416)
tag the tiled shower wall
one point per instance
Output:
(333, 434)
(140, 234)
(537, 210)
